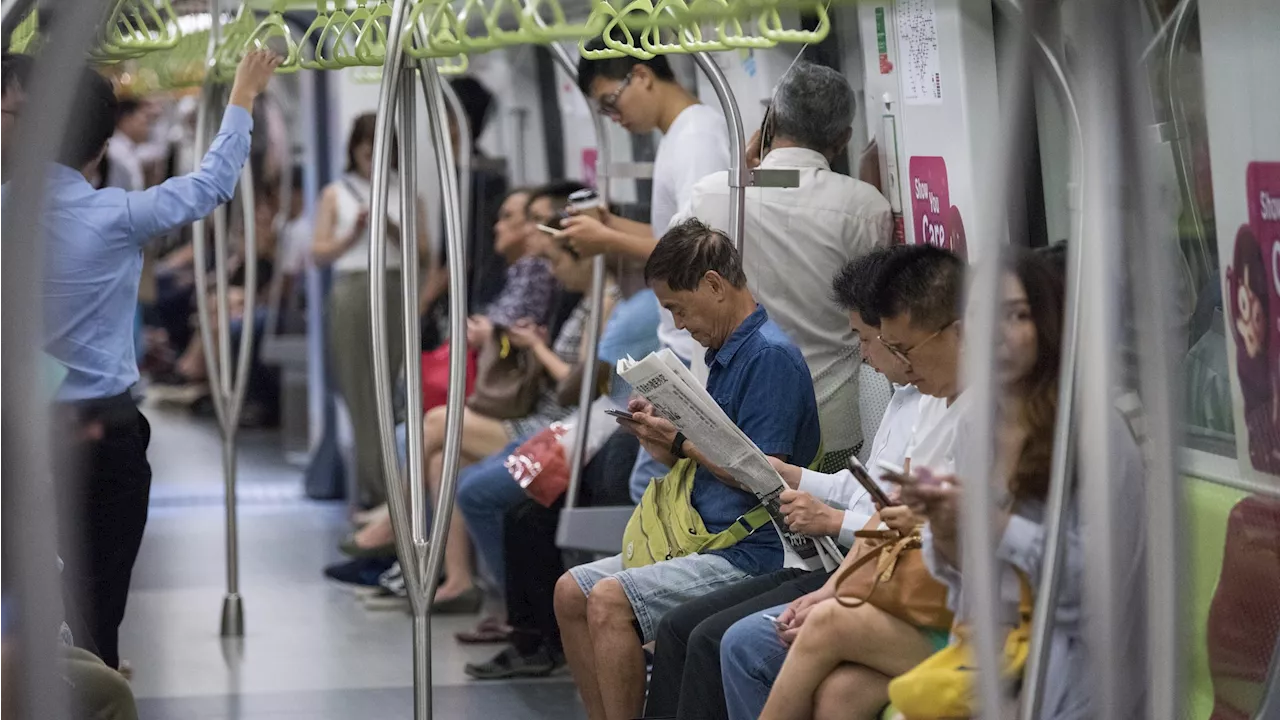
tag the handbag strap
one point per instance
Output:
(886, 557)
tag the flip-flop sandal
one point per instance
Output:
(490, 630)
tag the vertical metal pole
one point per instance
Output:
(466, 143)
(577, 460)
(739, 173)
(29, 510)
(1184, 13)
(406, 106)
(1063, 462)
(457, 334)
(1103, 189)
(982, 333)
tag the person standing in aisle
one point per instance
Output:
(643, 96)
(93, 262)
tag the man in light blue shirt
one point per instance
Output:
(92, 267)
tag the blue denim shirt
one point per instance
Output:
(760, 380)
(93, 257)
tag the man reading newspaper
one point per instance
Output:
(759, 380)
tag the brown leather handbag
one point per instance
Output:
(508, 380)
(888, 572)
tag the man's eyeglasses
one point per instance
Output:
(904, 354)
(609, 103)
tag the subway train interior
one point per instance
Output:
(594, 359)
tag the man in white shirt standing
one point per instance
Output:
(643, 96)
(825, 222)
(131, 148)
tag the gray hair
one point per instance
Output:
(813, 106)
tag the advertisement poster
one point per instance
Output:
(589, 159)
(1252, 289)
(935, 220)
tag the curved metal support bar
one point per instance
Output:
(436, 112)
(33, 682)
(739, 173)
(577, 460)
(406, 108)
(1186, 10)
(466, 144)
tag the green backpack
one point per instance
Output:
(665, 525)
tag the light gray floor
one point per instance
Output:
(310, 649)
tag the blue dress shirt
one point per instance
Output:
(93, 257)
(760, 380)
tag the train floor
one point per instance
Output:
(311, 651)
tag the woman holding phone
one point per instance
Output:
(1029, 356)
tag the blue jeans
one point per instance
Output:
(485, 492)
(751, 657)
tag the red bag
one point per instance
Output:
(435, 376)
(539, 465)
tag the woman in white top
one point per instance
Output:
(342, 241)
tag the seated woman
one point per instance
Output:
(482, 436)
(843, 658)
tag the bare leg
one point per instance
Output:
(457, 550)
(619, 657)
(851, 692)
(575, 634)
(832, 635)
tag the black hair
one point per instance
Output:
(127, 107)
(557, 190)
(93, 120)
(925, 281)
(17, 67)
(856, 286)
(476, 101)
(362, 131)
(618, 68)
(690, 250)
(1055, 255)
(296, 178)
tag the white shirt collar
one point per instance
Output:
(794, 157)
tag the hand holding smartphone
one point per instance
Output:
(777, 624)
(621, 415)
(872, 487)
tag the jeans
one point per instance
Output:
(643, 472)
(486, 492)
(751, 657)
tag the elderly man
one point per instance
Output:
(759, 379)
(795, 235)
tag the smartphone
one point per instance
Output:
(777, 624)
(621, 415)
(766, 132)
(866, 481)
(898, 475)
(891, 469)
(547, 229)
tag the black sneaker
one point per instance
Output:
(511, 664)
(391, 594)
(360, 573)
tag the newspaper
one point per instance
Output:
(678, 396)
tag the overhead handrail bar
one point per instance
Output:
(29, 509)
(590, 370)
(1062, 464)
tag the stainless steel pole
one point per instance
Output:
(1062, 469)
(1183, 14)
(739, 173)
(1103, 187)
(466, 144)
(29, 510)
(457, 340)
(978, 540)
(590, 370)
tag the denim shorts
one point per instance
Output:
(654, 590)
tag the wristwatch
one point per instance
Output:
(677, 446)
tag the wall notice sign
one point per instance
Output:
(918, 52)
(882, 43)
(1253, 314)
(937, 221)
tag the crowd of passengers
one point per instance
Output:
(823, 343)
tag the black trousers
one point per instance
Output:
(534, 563)
(685, 682)
(104, 490)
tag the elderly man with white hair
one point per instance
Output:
(796, 234)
